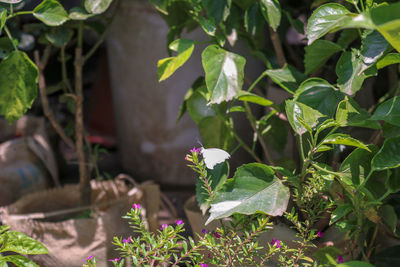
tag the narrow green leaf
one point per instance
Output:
(59, 36)
(271, 11)
(160, 5)
(253, 98)
(389, 59)
(349, 113)
(167, 66)
(295, 110)
(388, 156)
(289, 78)
(253, 189)
(224, 73)
(18, 85)
(389, 111)
(78, 13)
(19, 261)
(22, 244)
(350, 71)
(344, 139)
(3, 17)
(51, 13)
(97, 6)
(318, 53)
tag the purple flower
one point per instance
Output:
(89, 258)
(126, 240)
(217, 235)
(339, 259)
(204, 231)
(203, 264)
(320, 233)
(179, 222)
(276, 242)
(164, 226)
(195, 150)
(136, 206)
(115, 260)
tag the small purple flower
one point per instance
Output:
(320, 234)
(179, 222)
(276, 242)
(339, 259)
(89, 258)
(128, 240)
(217, 235)
(136, 206)
(204, 231)
(115, 260)
(195, 150)
(203, 264)
(164, 226)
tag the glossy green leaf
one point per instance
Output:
(208, 25)
(349, 113)
(219, 10)
(271, 11)
(355, 264)
(347, 36)
(254, 24)
(59, 36)
(253, 98)
(97, 6)
(390, 130)
(393, 181)
(320, 95)
(253, 189)
(341, 211)
(197, 104)
(295, 110)
(18, 85)
(389, 217)
(388, 156)
(318, 53)
(22, 244)
(387, 21)
(350, 71)
(323, 148)
(289, 78)
(373, 47)
(79, 13)
(389, 59)
(224, 73)
(389, 111)
(215, 133)
(167, 66)
(18, 260)
(51, 13)
(3, 17)
(344, 139)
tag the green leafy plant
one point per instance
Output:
(16, 243)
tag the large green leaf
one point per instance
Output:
(350, 71)
(22, 244)
(389, 111)
(318, 53)
(320, 95)
(253, 98)
(224, 73)
(97, 6)
(373, 47)
(296, 112)
(253, 189)
(215, 133)
(389, 59)
(349, 113)
(387, 21)
(344, 139)
(18, 260)
(271, 11)
(289, 78)
(51, 13)
(18, 85)
(167, 66)
(219, 10)
(388, 156)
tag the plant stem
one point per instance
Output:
(64, 70)
(277, 47)
(19, 13)
(253, 85)
(10, 37)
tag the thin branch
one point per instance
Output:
(277, 47)
(41, 64)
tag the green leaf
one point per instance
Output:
(78, 13)
(347, 36)
(19, 261)
(4, 228)
(253, 189)
(51, 13)
(275, 133)
(253, 98)
(341, 211)
(22, 244)
(295, 110)
(297, 24)
(389, 111)
(289, 78)
(167, 66)
(224, 73)
(271, 11)
(254, 25)
(389, 59)
(390, 130)
(97, 6)
(389, 217)
(6, 47)
(321, 253)
(208, 25)
(59, 36)
(349, 113)
(373, 47)
(344, 139)
(3, 17)
(355, 264)
(350, 71)
(160, 5)
(18, 85)
(318, 53)
(215, 133)
(388, 156)
(393, 181)
(320, 95)
(219, 10)
(387, 21)
(197, 104)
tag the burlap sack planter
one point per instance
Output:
(51, 217)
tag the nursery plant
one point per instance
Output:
(344, 170)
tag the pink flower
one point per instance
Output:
(89, 258)
(203, 264)
(136, 206)
(115, 260)
(275, 242)
(126, 240)
(179, 222)
(217, 235)
(195, 150)
(339, 259)
(164, 226)
(320, 233)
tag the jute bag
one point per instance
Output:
(50, 217)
